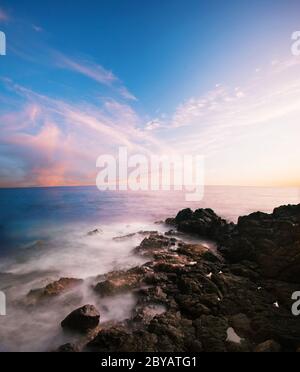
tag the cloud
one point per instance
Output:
(95, 72)
(86, 68)
(54, 142)
(270, 96)
(126, 94)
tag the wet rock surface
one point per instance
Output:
(190, 298)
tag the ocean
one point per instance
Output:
(44, 236)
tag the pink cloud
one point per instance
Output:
(53, 142)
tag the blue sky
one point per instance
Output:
(153, 75)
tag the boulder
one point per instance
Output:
(82, 319)
(202, 222)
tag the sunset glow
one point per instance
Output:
(63, 105)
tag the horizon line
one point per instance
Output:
(90, 186)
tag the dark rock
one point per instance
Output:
(209, 303)
(270, 240)
(212, 331)
(82, 320)
(120, 339)
(203, 222)
(170, 222)
(184, 215)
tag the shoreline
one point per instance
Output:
(189, 298)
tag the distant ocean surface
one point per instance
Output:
(44, 236)
(34, 214)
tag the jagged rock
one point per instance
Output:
(212, 331)
(173, 331)
(153, 243)
(120, 339)
(54, 289)
(184, 215)
(198, 252)
(270, 240)
(83, 319)
(206, 299)
(120, 282)
(202, 222)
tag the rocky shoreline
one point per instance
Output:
(191, 299)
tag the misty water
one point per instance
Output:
(44, 237)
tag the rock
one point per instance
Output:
(170, 222)
(82, 320)
(190, 299)
(146, 313)
(124, 238)
(120, 282)
(203, 222)
(212, 332)
(269, 346)
(270, 240)
(184, 215)
(173, 331)
(52, 290)
(155, 242)
(279, 325)
(120, 339)
(198, 252)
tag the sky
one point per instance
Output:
(213, 78)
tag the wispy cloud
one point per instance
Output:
(270, 95)
(54, 142)
(95, 72)
(89, 69)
